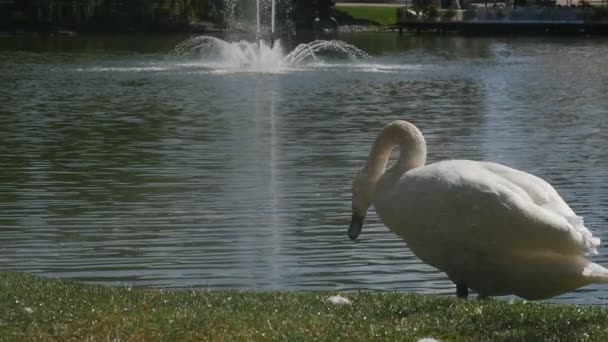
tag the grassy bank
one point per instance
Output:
(377, 15)
(34, 308)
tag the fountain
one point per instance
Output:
(263, 55)
(272, 17)
(252, 16)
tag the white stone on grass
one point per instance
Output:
(338, 300)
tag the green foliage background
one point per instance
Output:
(104, 15)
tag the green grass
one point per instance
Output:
(381, 15)
(34, 308)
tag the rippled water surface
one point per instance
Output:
(124, 164)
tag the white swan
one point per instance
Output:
(490, 228)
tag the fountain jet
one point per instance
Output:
(260, 56)
(263, 55)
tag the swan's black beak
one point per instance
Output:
(356, 222)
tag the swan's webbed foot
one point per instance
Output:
(462, 291)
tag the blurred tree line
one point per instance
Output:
(114, 15)
(108, 14)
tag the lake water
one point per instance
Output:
(123, 164)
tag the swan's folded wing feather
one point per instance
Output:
(474, 209)
(546, 197)
(534, 226)
(541, 192)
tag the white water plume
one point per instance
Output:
(260, 56)
(261, 16)
(272, 16)
(313, 50)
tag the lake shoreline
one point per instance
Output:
(501, 28)
(29, 31)
(42, 308)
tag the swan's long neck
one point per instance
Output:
(412, 154)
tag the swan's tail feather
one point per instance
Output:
(591, 242)
(596, 273)
(576, 220)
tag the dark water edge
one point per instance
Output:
(46, 30)
(464, 29)
(512, 28)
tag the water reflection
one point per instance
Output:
(127, 168)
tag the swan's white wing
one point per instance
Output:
(541, 192)
(540, 227)
(462, 204)
(544, 195)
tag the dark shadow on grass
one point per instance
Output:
(344, 18)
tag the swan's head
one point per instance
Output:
(412, 155)
(363, 190)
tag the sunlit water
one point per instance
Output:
(123, 163)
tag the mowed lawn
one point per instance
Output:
(380, 15)
(40, 309)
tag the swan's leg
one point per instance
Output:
(462, 291)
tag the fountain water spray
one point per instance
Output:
(257, 15)
(260, 56)
(272, 17)
(272, 20)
